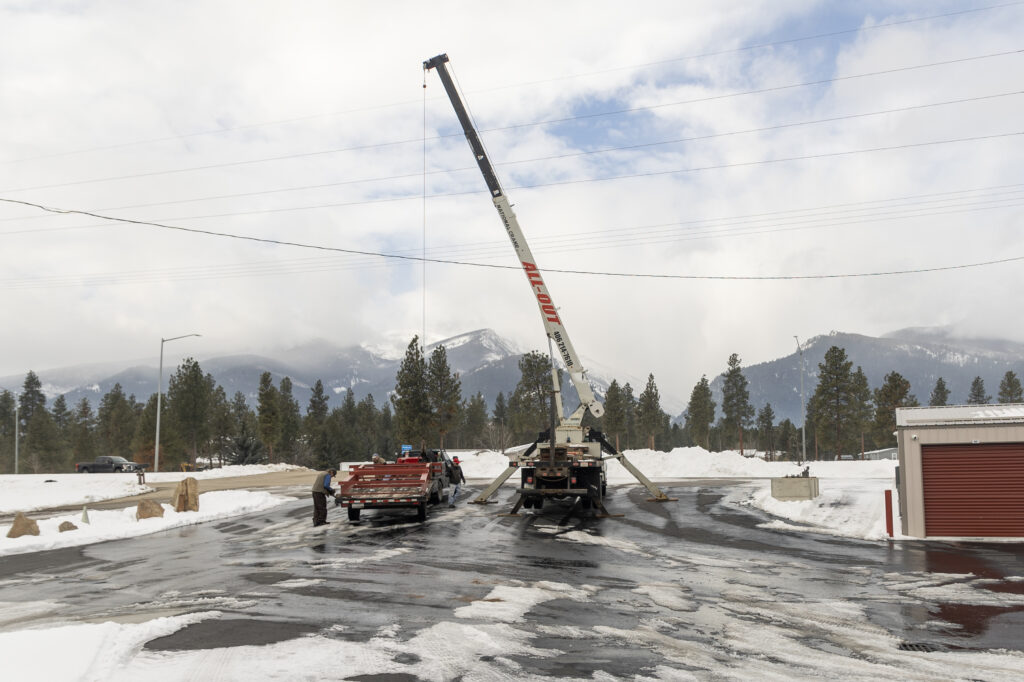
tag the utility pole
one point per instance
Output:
(159, 391)
(17, 428)
(803, 416)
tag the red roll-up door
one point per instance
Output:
(973, 490)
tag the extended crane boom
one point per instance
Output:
(548, 311)
(568, 460)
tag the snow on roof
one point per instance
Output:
(959, 414)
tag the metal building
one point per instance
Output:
(961, 470)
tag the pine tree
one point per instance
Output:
(629, 403)
(189, 398)
(367, 423)
(7, 404)
(1010, 389)
(831, 403)
(31, 400)
(788, 438)
(736, 406)
(247, 448)
(940, 394)
(410, 399)
(500, 420)
(314, 426)
(766, 429)
(649, 413)
(700, 413)
(861, 409)
(43, 449)
(116, 423)
(894, 392)
(977, 395)
(268, 407)
(291, 421)
(476, 420)
(614, 420)
(82, 432)
(530, 405)
(445, 392)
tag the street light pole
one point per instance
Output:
(159, 392)
(803, 417)
(17, 428)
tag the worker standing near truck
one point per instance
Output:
(321, 489)
(458, 478)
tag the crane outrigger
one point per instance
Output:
(567, 460)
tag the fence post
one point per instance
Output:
(888, 512)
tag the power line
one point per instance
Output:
(566, 119)
(541, 185)
(378, 254)
(757, 46)
(603, 150)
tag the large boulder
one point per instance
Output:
(65, 526)
(149, 509)
(23, 525)
(186, 495)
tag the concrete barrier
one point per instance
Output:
(787, 489)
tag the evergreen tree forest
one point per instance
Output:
(309, 426)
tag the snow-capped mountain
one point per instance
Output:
(921, 355)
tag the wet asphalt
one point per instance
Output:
(275, 578)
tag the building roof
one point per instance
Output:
(959, 414)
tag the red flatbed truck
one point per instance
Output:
(412, 482)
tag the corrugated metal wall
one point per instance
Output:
(973, 490)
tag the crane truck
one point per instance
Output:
(568, 460)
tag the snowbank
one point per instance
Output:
(29, 492)
(692, 463)
(121, 523)
(852, 508)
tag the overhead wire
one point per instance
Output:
(556, 183)
(579, 117)
(661, 276)
(567, 155)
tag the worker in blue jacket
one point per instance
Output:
(321, 489)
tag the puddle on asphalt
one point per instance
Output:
(213, 634)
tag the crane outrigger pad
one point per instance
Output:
(493, 487)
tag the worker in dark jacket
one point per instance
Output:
(321, 489)
(458, 478)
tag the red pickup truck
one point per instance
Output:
(413, 482)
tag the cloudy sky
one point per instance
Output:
(712, 170)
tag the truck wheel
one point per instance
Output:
(84, 470)
(435, 496)
(527, 503)
(421, 513)
(538, 503)
(353, 514)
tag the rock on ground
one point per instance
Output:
(66, 526)
(149, 509)
(23, 525)
(186, 495)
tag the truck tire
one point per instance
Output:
(435, 496)
(538, 503)
(527, 503)
(83, 470)
(353, 514)
(421, 513)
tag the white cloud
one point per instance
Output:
(84, 77)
